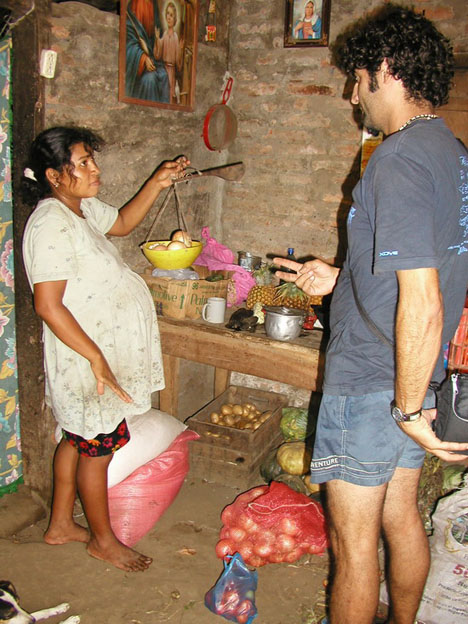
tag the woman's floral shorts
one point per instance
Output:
(102, 444)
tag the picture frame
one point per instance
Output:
(158, 53)
(307, 23)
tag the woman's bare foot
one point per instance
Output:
(62, 534)
(119, 555)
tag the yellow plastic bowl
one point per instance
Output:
(172, 258)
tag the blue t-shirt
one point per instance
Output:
(410, 210)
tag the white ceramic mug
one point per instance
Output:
(214, 310)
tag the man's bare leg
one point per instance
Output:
(355, 526)
(408, 548)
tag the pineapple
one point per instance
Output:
(265, 275)
(260, 294)
(290, 296)
(287, 295)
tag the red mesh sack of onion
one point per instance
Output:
(272, 524)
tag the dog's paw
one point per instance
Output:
(61, 608)
(73, 619)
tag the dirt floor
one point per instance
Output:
(185, 567)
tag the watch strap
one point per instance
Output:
(400, 416)
(417, 412)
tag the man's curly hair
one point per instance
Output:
(416, 52)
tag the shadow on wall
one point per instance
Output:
(112, 6)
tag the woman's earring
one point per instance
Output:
(56, 184)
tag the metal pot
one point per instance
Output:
(283, 323)
(249, 262)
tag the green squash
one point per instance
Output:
(294, 457)
(270, 468)
(294, 482)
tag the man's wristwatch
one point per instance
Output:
(400, 416)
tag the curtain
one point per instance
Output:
(11, 473)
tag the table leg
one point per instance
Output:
(169, 397)
(222, 378)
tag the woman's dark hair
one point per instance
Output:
(416, 52)
(52, 149)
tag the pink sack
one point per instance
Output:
(137, 502)
(217, 257)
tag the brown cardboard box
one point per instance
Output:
(182, 299)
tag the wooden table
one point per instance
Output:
(298, 363)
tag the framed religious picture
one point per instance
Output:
(158, 53)
(307, 23)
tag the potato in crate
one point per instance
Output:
(237, 430)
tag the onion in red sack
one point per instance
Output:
(223, 548)
(285, 543)
(245, 549)
(288, 526)
(294, 555)
(263, 550)
(227, 516)
(276, 557)
(246, 522)
(237, 534)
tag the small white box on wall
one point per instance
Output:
(47, 63)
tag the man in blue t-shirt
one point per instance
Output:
(396, 301)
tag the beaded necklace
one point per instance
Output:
(410, 121)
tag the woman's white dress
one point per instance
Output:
(111, 303)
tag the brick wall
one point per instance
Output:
(296, 131)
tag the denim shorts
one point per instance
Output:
(358, 441)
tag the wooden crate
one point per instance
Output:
(233, 456)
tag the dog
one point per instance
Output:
(12, 613)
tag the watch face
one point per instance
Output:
(398, 414)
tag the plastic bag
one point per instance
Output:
(217, 257)
(137, 503)
(445, 595)
(233, 596)
(177, 274)
(272, 524)
(214, 251)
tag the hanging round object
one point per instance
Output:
(220, 125)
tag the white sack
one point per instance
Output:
(150, 435)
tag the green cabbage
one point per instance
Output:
(295, 424)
